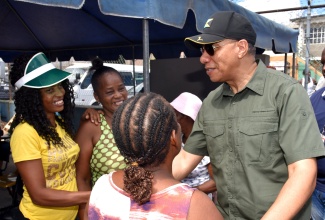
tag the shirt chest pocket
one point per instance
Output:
(258, 140)
(215, 138)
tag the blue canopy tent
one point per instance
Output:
(87, 28)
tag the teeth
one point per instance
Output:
(58, 102)
(119, 103)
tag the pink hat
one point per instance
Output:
(187, 104)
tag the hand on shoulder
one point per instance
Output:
(92, 115)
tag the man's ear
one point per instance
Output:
(243, 48)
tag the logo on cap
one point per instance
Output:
(199, 38)
(208, 23)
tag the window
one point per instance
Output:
(317, 35)
(87, 81)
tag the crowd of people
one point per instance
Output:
(253, 149)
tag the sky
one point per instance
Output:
(280, 17)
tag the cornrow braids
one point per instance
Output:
(142, 127)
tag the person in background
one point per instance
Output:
(186, 107)
(258, 128)
(318, 198)
(148, 136)
(321, 81)
(4, 152)
(311, 84)
(98, 152)
(42, 144)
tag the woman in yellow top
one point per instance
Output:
(42, 140)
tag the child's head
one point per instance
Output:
(142, 129)
(187, 104)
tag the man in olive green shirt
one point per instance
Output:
(258, 128)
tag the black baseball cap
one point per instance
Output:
(223, 25)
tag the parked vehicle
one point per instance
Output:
(83, 90)
(77, 70)
(6, 90)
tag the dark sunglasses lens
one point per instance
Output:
(209, 49)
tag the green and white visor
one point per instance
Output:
(41, 73)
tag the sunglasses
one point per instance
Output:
(211, 48)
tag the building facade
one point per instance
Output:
(317, 36)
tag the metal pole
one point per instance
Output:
(307, 45)
(146, 78)
(293, 65)
(134, 76)
(290, 9)
(285, 63)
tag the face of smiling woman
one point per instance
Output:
(111, 92)
(52, 99)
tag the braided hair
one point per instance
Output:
(29, 106)
(142, 127)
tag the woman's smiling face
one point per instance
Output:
(111, 92)
(52, 98)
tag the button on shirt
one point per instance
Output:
(251, 137)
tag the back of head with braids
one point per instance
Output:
(29, 106)
(142, 127)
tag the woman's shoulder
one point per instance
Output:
(88, 127)
(23, 129)
(202, 207)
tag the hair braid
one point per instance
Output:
(158, 140)
(148, 120)
(138, 183)
(141, 132)
(126, 127)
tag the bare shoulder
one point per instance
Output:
(87, 131)
(118, 178)
(202, 207)
(87, 126)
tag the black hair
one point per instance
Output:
(142, 127)
(29, 106)
(251, 49)
(99, 70)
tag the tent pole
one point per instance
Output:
(285, 63)
(307, 46)
(146, 78)
(134, 76)
(293, 65)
